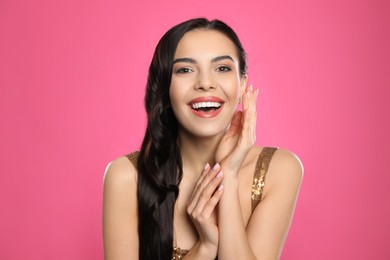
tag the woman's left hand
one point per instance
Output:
(201, 209)
(241, 136)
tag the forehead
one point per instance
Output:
(205, 43)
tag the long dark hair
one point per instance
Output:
(159, 162)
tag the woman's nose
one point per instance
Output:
(205, 82)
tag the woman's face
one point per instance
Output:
(206, 83)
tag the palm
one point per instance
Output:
(231, 139)
(241, 136)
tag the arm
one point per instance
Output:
(264, 236)
(269, 224)
(266, 231)
(120, 228)
(232, 151)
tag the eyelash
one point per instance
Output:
(224, 69)
(183, 70)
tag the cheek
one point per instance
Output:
(234, 90)
(176, 96)
(231, 85)
(173, 92)
(179, 89)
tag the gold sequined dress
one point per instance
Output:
(259, 175)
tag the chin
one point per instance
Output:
(204, 131)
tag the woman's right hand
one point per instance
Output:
(241, 135)
(202, 209)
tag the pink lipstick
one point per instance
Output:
(206, 107)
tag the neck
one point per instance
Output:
(197, 151)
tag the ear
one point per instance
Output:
(243, 81)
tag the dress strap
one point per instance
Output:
(133, 157)
(261, 170)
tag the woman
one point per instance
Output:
(199, 188)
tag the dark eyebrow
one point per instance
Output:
(189, 60)
(224, 57)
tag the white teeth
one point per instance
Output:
(206, 104)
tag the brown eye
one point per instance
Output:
(224, 69)
(183, 70)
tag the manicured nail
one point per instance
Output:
(219, 175)
(220, 187)
(251, 88)
(206, 167)
(257, 92)
(216, 166)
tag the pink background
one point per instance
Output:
(72, 77)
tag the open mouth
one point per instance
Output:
(206, 106)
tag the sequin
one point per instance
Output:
(258, 183)
(259, 176)
(178, 253)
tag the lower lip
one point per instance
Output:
(206, 114)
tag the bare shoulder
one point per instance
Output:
(287, 162)
(270, 221)
(120, 236)
(285, 170)
(120, 172)
(119, 185)
(283, 160)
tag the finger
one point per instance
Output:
(206, 170)
(246, 137)
(247, 88)
(252, 94)
(207, 200)
(208, 177)
(254, 123)
(246, 126)
(249, 122)
(253, 116)
(206, 194)
(200, 186)
(212, 203)
(245, 99)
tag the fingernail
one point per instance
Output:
(206, 167)
(257, 92)
(216, 166)
(251, 88)
(220, 187)
(219, 175)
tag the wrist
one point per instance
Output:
(204, 251)
(230, 184)
(230, 176)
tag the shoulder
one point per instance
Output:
(285, 171)
(287, 162)
(270, 220)
(120, 209)
(120, 177)
(120, 168)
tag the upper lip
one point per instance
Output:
(206, 99)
